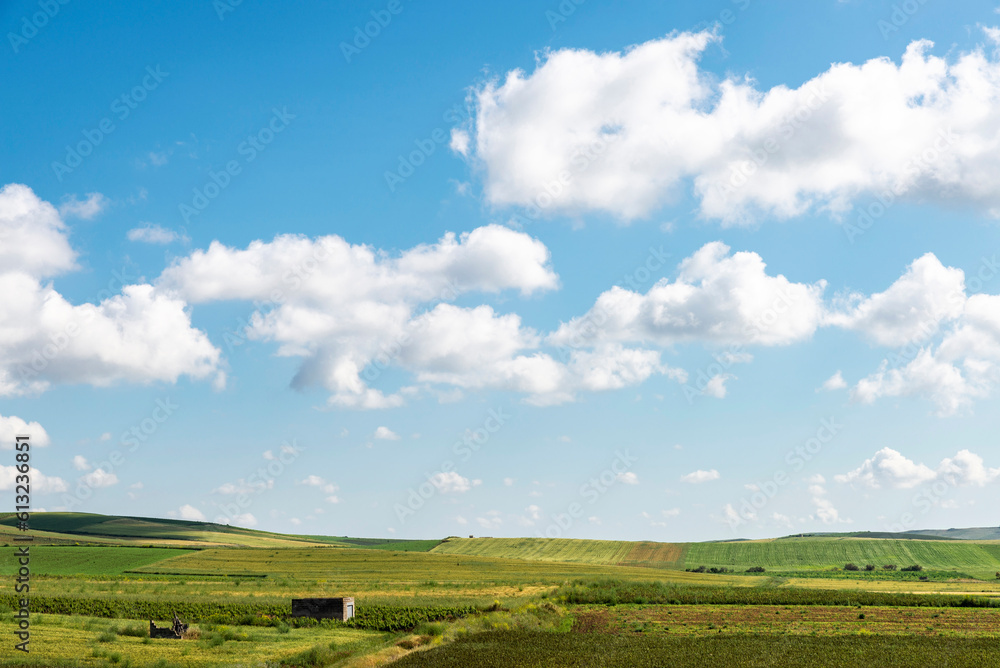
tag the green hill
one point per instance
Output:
(94, 529)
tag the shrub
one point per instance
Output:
(889, 567)
(869, 567)
(755, 569)
(851, 567)
(913, 568)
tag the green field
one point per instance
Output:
(522, 602)
(622, 553)
(790, 554)
(85, 560)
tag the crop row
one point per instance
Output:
(371, 617)
(614, 592)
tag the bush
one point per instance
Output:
(851, 567)
(889, 567)
(913, 568)
(869, 567)
(755, 569)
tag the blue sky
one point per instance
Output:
(797, 203)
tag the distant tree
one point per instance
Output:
(755, 569)
(889, 567)
(870, 567)
(851, 567)
(913, 568)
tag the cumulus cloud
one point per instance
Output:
(12, 426)
(189, 512)
(451, 482)
(717, 298)
(627, 478)
(889, 468)
(386, 434)
(99, 478)
(140, 335)
(624, 132)
(40, 483)
(700, 476)
(834, 382)
(80, 463)
(345, 309)
(151, 233)
(912, 308)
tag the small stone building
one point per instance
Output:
(324, 608)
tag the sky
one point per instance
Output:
(583, 269)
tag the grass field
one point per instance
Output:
(87, 560)
(507, 601)
(624, 553)
(789, 554)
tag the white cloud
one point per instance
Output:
(88, 208)
(627, 478)
(888, 467)
(80, 463)
(386, 434)
(628, 130)
(718, 298)
(492, 521)
(459, 141)
(32, 236)
(13, 426)
(295, 521)
(99, 478)
(966, 468)
(913, 307)
(716, 386)
(700, 476)
(136, 485)
(40, 483)
(189, 512)
(106, 436)
(834, 382)
(451, 482)
(508, 481)
(461, 520)
(151, 233)
(139, 335)
(344, 308)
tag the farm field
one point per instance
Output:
(648, 554)
(442, 602)
(500, 649)
(700, 620)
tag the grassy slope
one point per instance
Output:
(378, 565)
(818, 553)
(86, 560)
(661, 555)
